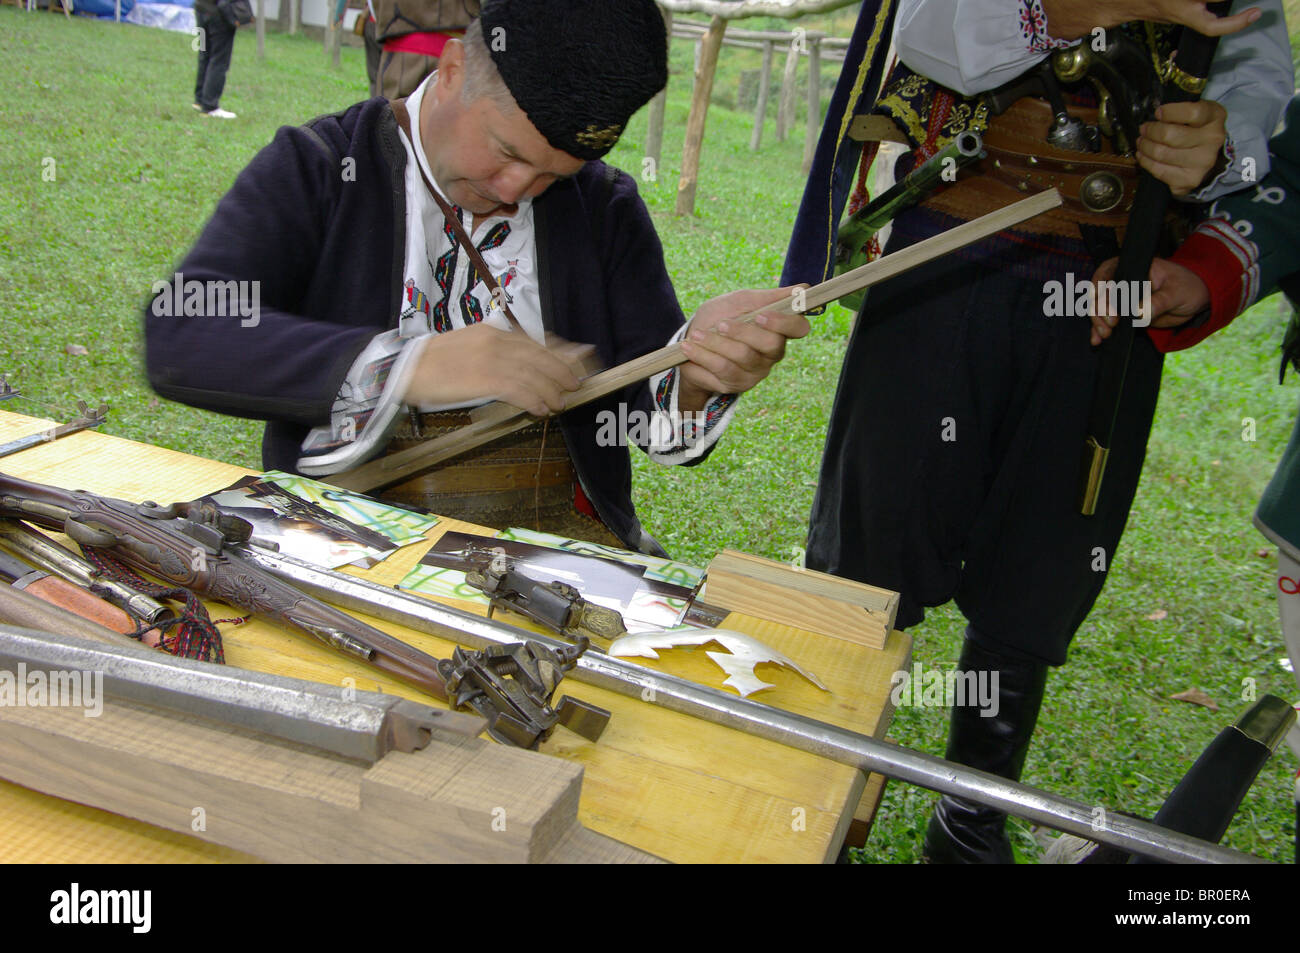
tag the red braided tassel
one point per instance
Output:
(195, 635)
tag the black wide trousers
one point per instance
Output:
(953, 456)
(214, 58)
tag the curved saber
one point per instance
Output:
(764, 721)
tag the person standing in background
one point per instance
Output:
(216, 43)
(412, 34)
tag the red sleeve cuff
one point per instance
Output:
(1229, 266)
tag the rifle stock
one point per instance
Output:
(186, 544)
(191, 545)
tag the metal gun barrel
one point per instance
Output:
(913, 187)
(909, 190)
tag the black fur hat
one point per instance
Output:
(579, 69)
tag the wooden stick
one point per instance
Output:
(760, 108)
(498, 419)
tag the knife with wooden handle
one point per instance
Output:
(73, 598)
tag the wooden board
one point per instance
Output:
(459, 800)
(802, 598)
(668, 784)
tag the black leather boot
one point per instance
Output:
(961, 831)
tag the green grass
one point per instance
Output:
(137, 173)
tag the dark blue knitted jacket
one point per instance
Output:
(319, 219)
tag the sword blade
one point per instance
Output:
(764, 721)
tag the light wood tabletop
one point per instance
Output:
(678, 787)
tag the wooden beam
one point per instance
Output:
(777, 36)
(699, 110)
(497, 419)
(814, 127)
(785, 106)
(654, 137)
(800, 579)
(728, 41)
(760, 111)
(295, 16)
(731, 10)
(459, 800)
(803, 598)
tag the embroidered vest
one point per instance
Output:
(931, 116)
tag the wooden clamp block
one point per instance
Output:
(803, 598)
(459, 800)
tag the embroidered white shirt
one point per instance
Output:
(976, 45)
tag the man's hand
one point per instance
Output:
(728, 356)
(1183, 144)
(1194, 14)
(1177, 295)
(483, 363)
(1072, 19)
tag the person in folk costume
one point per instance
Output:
(406, 39)
(420, 257)
(1241, 254)
(952, 458)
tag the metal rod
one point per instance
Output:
(343, 721)
(797, 731)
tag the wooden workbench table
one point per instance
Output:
(672, 785)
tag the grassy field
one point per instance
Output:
(136, 173)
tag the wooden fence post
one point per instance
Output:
(261, 29)
(654, 137)
(785, 108)
(814, 102)
(331, 41)
(712, 43)
(760, 111)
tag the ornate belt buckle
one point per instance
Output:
(1101, 191)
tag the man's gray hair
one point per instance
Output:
(482, 79)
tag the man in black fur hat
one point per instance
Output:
(377, 323)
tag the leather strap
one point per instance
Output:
(485, 273)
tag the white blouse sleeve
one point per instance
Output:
(972, 45)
